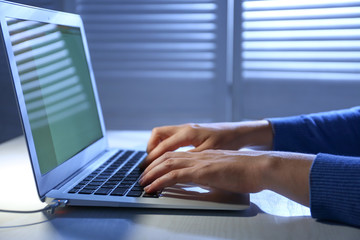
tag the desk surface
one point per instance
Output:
(270, 216)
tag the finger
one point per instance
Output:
(204, 146)
(169, 179)
(164, 157)
(170, 144)
(157, 135)
(164, 168)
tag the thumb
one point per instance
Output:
(201, 147)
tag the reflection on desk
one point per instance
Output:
(270, 215)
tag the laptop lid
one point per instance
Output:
(55, 89)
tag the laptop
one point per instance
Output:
(64, 127)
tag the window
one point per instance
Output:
(172, 61)
(296, 56)
(158, 62)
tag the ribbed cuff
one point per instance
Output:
(335, 189)
(288, 131)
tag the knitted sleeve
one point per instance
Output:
(335, 188)
(336, 132)
(335, 173)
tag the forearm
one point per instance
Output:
(288, 174)
(255, 134)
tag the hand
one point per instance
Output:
(236, 171)
(229, 136)
(227, 170)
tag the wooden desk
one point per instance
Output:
(270, 216)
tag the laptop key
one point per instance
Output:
(134, 193)
(109, 186)
(86, 191)
(116, 179)
(88, 178)
(103, 191)
(151, 195)
(120, 191)
(137, 188)
(74, 190)
(79, 186)
(112, 182)
(91, 187)
(94, 184)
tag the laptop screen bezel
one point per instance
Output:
(46, 182)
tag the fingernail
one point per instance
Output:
(147, 188)
(141, 181)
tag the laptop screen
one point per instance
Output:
(57, 88)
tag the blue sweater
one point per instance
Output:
(335, 174)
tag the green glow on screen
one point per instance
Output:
(57, 89)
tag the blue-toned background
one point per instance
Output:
(170, 62)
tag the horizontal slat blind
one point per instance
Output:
(159, 62)
(295, 57)
(301, 40)
(48, 4)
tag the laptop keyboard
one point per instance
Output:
(111, 179)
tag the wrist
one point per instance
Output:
(271, 166)
(257, 134)
(288, 174)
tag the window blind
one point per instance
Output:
(49, 4)
(157, 62)
(307, 40)
(293, 44)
